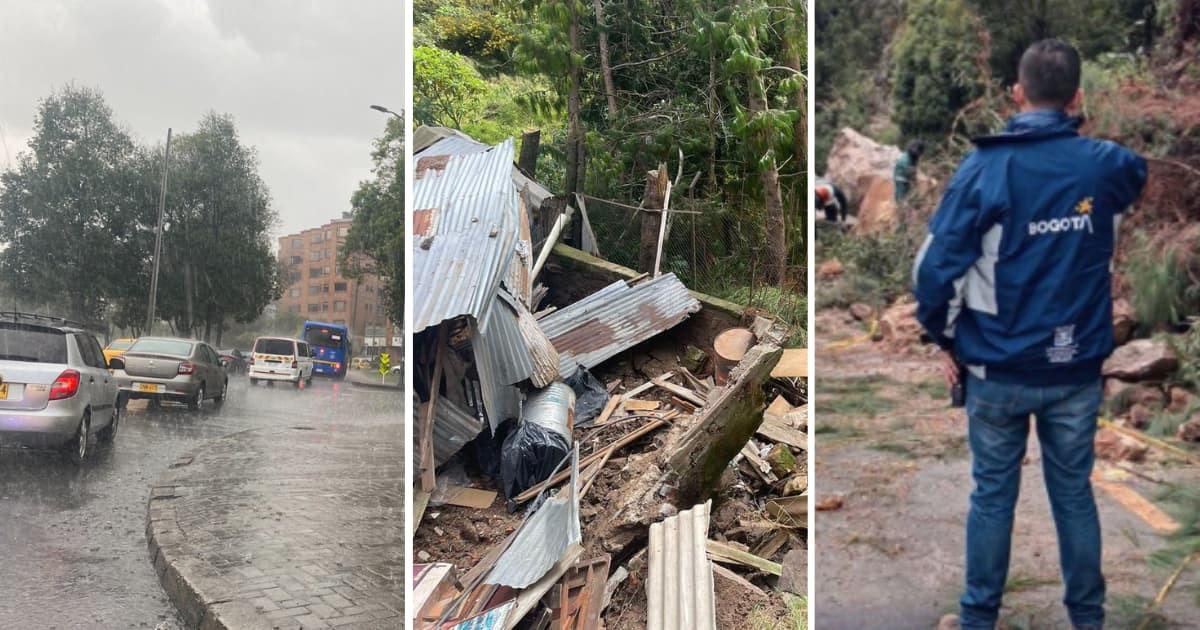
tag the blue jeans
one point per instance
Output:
(998, 415)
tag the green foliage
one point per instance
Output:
(936, 69)
(878, 267)
(445, 87)
(483, 30)
(1161, 293)
(375, 242)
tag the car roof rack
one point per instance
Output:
(18, 316)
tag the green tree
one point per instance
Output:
(938, 66)
(375, 243)
(445, 87)
(73, 218)
(217, 263)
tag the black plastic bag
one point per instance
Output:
(590, 396)
(529, 456)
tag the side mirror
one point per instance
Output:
(116, 363)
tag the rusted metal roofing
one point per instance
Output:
(468, 210)
(544, 538)
(453, 426)
(615, 319)
(679, 588)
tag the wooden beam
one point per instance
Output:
(722, 552)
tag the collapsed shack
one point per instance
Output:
(583, 393)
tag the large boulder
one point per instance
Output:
(1142, 360)
(862, 169)
(898, 325)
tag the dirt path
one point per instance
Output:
(891, 447)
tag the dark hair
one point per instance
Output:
(1049, 73)
(915, 149)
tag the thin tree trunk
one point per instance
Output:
(575, 125)
(775, 224)
(652, 199)
(188, 287)
(610, 93)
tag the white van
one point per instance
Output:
(281, 359)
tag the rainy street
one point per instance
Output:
(73, 540)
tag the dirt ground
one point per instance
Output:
(892, 449)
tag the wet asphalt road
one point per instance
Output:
(72, 540)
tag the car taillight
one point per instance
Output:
(337, 366)
(251, 360)
(187, 367)
(65, 386)
(295, 364)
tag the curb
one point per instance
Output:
(370, 385)
(203, 598)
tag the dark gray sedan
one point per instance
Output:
(173, 369)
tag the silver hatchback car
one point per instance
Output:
(170, 368)
(55, 389)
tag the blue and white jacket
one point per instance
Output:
(1015, 275)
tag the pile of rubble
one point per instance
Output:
(580, 464)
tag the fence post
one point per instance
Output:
(652, 203)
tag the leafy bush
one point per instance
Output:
(937, 66)
(1161, 296)
(878, 267)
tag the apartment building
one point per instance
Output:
(316, 289)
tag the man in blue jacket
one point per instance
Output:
(1014, 283)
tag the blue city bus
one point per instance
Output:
(330, 345)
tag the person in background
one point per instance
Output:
(905, 171)
(830, 200)
(1014, 283)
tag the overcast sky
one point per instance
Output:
(297, 76)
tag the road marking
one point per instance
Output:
(1138, 505)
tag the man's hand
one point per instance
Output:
(949, 368)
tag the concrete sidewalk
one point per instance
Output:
(284, 528)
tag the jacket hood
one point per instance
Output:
(1034, 125)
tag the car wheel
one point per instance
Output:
(221, 397)
(109, 432)
(253, 381)
(197, 400)
(79, 448)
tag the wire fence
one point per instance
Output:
(711, 249)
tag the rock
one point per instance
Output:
(949, 622)
(1190, 431)
(830, 269)
(861, 312)
(424, 556)
(794, 578)
(694, 359)
(1113, 446)
(795, 485)
(469, 533)
(829, 503)
(1148, 396)
(862, 168)
(781, 460)
(1123, 321)
(1181, 399)
(898, 324)
(1142, 360)
(1140, 416)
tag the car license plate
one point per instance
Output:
(148, 388)
(3, 391)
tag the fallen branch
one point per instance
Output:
(1164, 591)
(1155, 442)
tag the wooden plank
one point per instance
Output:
(778, 408)
(791, 511)
(722, 552)
(679, 390)
(609, 408)
(772, 544)
(634, 404)
(776, 431)
(469, 497)
(759, 464)
(793, 364)
(644, 387)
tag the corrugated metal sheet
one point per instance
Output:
(449, 141)
(543, 538)
(471, 234)
(493, 362)
(679, 588)
(453, 426)
(493, 619)
(615, 319)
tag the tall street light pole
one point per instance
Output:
(381, 108)
(162, 203)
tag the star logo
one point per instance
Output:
(1084, 206)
